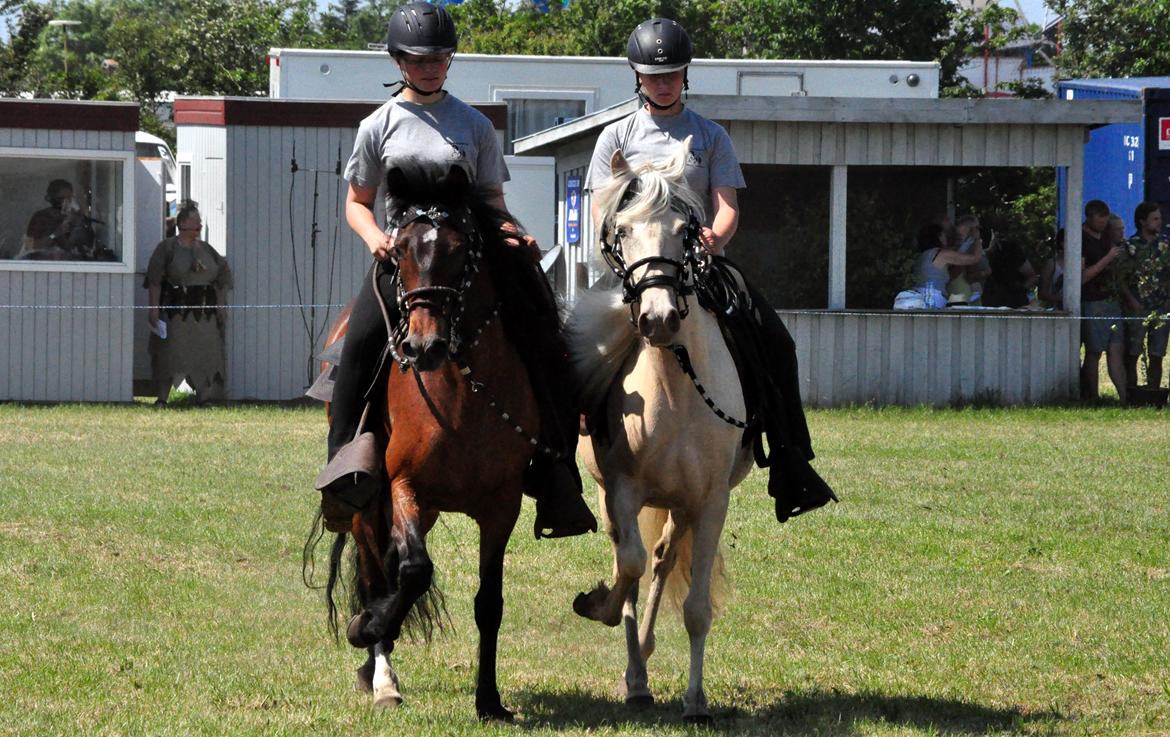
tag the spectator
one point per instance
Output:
(60, 231)
(1051, 290)
(936, 256)
(1146, 284)
(187, 280)
(1012, 275)
(968, 234)
(1100, 330)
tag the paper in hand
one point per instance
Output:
(160, 331)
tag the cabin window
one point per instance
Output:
(534, 110)
(62, 207)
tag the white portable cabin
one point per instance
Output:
(261, 214)
(852, 356)
(66, 326)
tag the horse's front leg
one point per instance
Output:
(381, 621)
(622, 504)
(495, 528)
(697, 606)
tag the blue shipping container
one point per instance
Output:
(1125, 163)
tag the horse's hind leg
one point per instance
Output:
(665, 555)
(494, 531)
(697, 606)
(637, 681)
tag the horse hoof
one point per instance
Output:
(355, 632)
(640, 700)
(581, 605)
(496, 713)
(700, 720)
(387, 698)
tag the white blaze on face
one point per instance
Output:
(431, 236)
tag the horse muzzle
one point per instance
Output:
(425, 352)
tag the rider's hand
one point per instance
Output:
(707, 241)
(381, 248)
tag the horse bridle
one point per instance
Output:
(682, 281)
(449, 301)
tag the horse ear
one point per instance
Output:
(457, 179)
(617, 163)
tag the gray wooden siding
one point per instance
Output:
(268, 349)
(908, 358)
(898, 144)
(55, 355)
(52, 355)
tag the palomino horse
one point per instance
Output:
(464, 420)
(668, 463)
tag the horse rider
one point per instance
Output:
(659, 51)
(423, 123)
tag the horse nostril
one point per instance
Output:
(409, 350)
(673, 322)
(644, 326)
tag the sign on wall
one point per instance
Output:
(573, 210)
(1164, 134)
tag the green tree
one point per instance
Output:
(1104, 38)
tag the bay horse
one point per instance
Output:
(464, 421)
(665, 463)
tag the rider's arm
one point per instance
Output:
(726, 220)
(359, 213)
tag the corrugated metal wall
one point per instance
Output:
(907, 358)
(897, 144)
(268, 246)
(67, 354)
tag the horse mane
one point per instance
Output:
(417, 182)
(601, 336)
(660, 186)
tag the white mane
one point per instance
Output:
(600, 333)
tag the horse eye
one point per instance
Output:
(621, 231)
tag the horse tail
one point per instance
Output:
(651, 522)
(309, 566)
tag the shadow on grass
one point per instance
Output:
(798, 713)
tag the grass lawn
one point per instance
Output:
(988, 572)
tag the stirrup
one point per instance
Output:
(349, 481)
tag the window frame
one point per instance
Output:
(128, 245)
(504, 93)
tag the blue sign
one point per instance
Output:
(573, 210)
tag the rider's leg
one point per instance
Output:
(532, 320)
(795, 485)
(364, 340)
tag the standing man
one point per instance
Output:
(1101, 330)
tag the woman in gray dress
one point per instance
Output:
(187, 280)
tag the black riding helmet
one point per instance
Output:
(421, 28)
(658, 46)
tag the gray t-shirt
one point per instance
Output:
(645, 137)
(446, 132)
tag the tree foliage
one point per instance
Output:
(1104, 38)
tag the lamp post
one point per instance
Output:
(65, 25)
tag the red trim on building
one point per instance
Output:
(69, 115)
(263, 111)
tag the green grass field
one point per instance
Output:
(988, 572)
